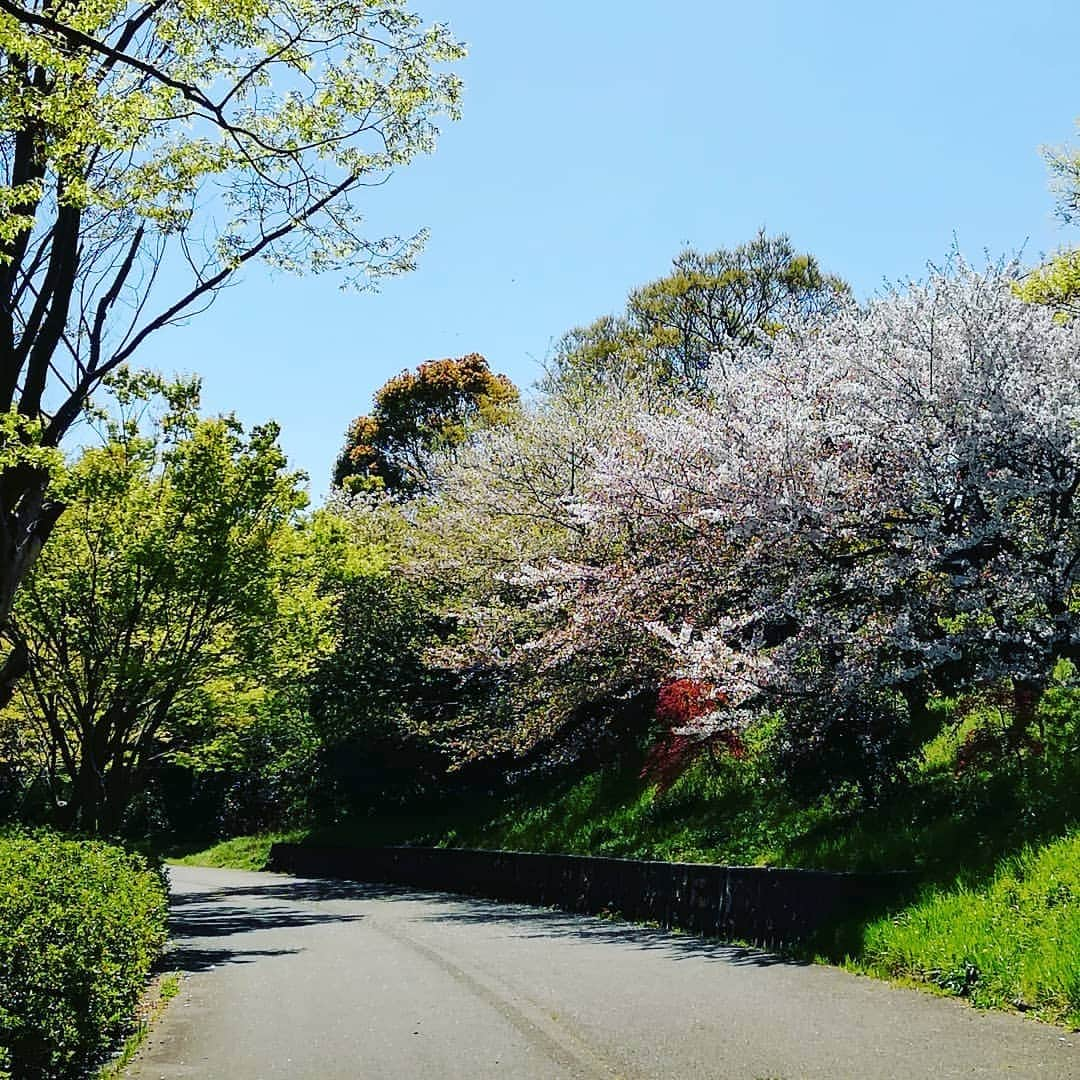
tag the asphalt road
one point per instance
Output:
(323, 980)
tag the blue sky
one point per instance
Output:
(599, 137)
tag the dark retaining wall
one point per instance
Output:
(759, 904)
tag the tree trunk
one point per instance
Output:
(27, 517)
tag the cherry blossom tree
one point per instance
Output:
(877, 509)
(874, 509)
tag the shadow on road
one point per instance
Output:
(189, 959)
(217, 921)
(301, 890)
(542, 923)
(208, 929)
(212, 920)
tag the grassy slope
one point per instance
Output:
(1013, 939)
(998, 920)
(239, 853)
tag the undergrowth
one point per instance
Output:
(1013, 940)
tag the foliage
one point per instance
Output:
(1011, 941)
(674, 328)
(1056, 284)
(418, 416)
(685, 707)
(162, 991)
(175, 576)
(240, 852)
(740, 810)
(80, 925)
(870, 511)
(150, 151)
(1064, 164)
(539, 683)
(372, 697)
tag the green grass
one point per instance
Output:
(239, 853)
(739, 812)
(1011, 941)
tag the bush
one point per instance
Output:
(81, 923)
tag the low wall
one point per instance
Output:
(748, 903)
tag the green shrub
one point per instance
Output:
(81, 923)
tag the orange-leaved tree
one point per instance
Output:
(419, 415)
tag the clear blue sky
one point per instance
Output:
(599, 137)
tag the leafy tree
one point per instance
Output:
(150, 150)
(174, 570)
(419, 415)
(674, 328)
(503, 543)
(859, 516)
(1057, 284)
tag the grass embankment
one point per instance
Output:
(239, 853)
(997, 846)
(1010, 940)
(81, 924)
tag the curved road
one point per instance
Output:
(294, 978)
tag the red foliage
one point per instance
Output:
(685, 700)
(678, 705)
(983, 748)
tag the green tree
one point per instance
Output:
(418, 415)
(674, 327)
(149, 150)
(172, 574)
(1056, 284)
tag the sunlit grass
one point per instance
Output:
(239, 853)
(1011, 941)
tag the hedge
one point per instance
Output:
(81, 923)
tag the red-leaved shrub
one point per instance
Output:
(680, 705)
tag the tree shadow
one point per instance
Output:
(190, 959)
(305, 890)
(210, 920)
(203, 915)
(208, 929)
(530, 922)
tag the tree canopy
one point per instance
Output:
(1056, 284)
(675, 327)
(863, 512)
(421, 414)
(150, 149)
(175, 566)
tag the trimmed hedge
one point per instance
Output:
(81, 923)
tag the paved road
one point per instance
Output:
(293, 978)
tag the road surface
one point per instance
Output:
(320, 980)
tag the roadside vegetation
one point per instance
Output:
(994, 839)
(81, 924)
(237, 853)
(759, 572)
